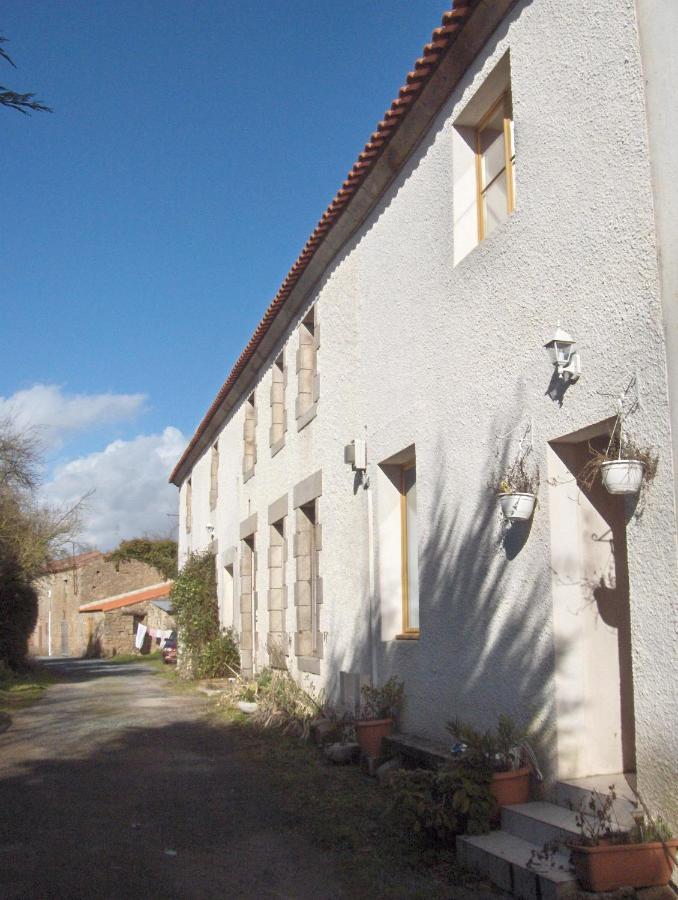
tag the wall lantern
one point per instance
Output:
(563, 354)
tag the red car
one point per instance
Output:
(169, 651)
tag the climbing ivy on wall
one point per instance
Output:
(203, 651)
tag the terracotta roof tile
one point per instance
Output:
(141, 595)
(441, 40)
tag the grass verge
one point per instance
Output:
(339, 808)
(21, 689)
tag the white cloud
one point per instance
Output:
(55, 414)
(131, 496)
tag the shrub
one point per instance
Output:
(384, 702)
(437, 805)
(219, 658)
(196, 611)
(157, 552)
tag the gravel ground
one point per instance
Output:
(115, 785)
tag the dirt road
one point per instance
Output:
(115, 785)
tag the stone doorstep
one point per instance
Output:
(414, 749)
(503, 858)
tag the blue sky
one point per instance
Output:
(149, 221)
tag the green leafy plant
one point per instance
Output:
(196, 612)
(504, 748)
(159, 553)
(436, 805)
(219, 657)
(382, 703)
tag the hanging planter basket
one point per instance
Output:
(622, 476)
(517, 507)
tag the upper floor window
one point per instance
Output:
(495, 164)
(214, 476)
(483, 161)
(278, 412)
(307, 369)
(249, 437)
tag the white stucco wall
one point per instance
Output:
(416, 350)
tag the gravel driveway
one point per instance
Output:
(116, 786)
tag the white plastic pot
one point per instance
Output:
(247, 707)
(622, 476)
(517, 507)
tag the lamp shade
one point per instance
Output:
(559, 348)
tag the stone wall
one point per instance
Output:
(69, 585)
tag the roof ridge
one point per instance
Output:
(442, 37)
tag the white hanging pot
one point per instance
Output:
(622, 476)
(517, 507)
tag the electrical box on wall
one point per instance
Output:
(355, 453)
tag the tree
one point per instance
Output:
(21, 102)
(31, 534)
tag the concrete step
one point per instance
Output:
(572, 792)
(539, 822)
(502, 858)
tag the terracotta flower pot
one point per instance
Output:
(509, 788)
(611, 866)
(369, 733)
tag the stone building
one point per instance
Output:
(524, 177)
(68, 583)
(113, 623)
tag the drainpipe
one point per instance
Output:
(371, 579)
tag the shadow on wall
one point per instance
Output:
(486, 644)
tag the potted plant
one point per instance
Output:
(507, 751)
(624, 466)
(517, 488)
(380, 707)
(606, 857)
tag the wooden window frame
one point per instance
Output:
(407, 632)
(505, 101)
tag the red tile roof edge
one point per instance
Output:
(453, 21)
(140, 595)
(71, 562)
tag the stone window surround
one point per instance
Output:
(248, 595)
(306, 492)
(277, 443)
(249, 459)
(308, 378)
(228, 559)
(277, 564)
(189, 505)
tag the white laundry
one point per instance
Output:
(140, 635)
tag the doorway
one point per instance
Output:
(591, 614)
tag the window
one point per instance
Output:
(278, 414)
(495, 163)
(228, 616)
(483, 161)
(398, 546)
(277, 596)
(189, 506)
(307, 369)
(308, 641)
(214, 477)
(408, 548)
(248, 606)
(249, 437)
